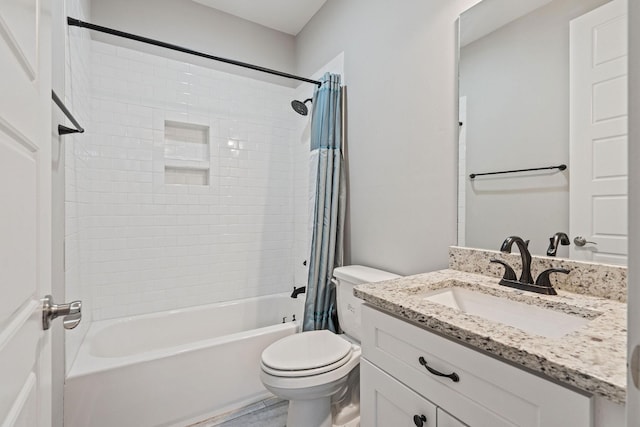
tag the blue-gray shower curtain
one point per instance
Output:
(329, 206)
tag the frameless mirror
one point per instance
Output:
(543, 84)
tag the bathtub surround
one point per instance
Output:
(75, 150)
(208, 355)
(152, 245)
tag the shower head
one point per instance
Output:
(300, 107)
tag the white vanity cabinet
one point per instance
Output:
(390, 403)
(400, 377)
(446, 420)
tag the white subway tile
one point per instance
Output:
(156, 243)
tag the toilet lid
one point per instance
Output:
(306, 350)
(307, 372)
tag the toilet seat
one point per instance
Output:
(305, 354)
(292, 386)
(306, 372)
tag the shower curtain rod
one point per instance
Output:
(78, 23)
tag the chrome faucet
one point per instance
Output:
(523, 247)
(525, 283)
(558, 239)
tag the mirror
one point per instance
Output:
(523, 106)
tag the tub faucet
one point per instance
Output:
(298, 291)
(558, 239)
(525, 277)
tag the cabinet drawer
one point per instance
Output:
(384, 402)
(488, 392)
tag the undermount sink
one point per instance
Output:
(529, 318)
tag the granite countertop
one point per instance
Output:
(592, 358)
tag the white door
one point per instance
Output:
(25, 211)
(598, 134)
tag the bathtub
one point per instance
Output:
(176, 367)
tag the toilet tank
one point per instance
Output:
(349, 306)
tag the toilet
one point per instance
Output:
(318, 371)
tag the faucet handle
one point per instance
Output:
(543, 278)
(509, 273)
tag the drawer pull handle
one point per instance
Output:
(419, 420)
(453, 376)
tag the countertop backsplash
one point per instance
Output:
(586, 278)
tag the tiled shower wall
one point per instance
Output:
(301, 190)
(152, 245)
(77, 97)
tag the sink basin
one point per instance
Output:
(529, 318)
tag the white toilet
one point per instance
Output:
(318, 371)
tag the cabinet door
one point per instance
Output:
(385, 402)
(446, 420)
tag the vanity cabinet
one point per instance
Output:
(390, 403)
(407, 369)
(446, 420)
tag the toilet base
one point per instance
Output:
(311, 397)
(310, 413)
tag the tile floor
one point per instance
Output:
(270, 412)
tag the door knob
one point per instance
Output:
(581, 241)
(72, 313)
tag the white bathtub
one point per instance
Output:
(175, 367)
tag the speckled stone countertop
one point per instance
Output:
(592, 358)
(588, 278)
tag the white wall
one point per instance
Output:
(516, 82)
(402, 128)
(194, 26)
(152, 246)
(633, 392)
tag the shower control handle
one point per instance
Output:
(71, 313)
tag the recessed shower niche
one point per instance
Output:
(186, 153)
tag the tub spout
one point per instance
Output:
(298, 291)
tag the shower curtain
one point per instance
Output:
(329, 205)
